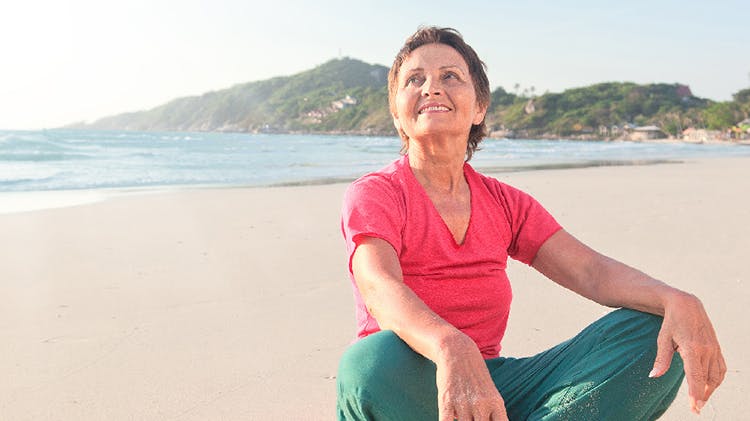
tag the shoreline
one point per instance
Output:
(35, 200)
(111, 162)
(546, 137)
(497, 135)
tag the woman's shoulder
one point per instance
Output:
(494, 185)
(389, 176)
(387, 182)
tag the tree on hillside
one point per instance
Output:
(500, 97)
(742, 98)
(722, 115)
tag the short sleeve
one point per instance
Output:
(530, 223)
(374, 207)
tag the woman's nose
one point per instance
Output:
(431, 87)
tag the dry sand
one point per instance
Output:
(234, 304)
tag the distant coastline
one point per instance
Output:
(349, 97)
(704, 136)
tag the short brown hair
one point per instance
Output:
(452, 38)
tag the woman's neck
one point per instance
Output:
(438, 169)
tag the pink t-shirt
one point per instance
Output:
(464, 284)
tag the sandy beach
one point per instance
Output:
(234, 303)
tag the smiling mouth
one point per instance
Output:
(434, 108)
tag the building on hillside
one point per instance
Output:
(646, 133)
(684, 92)
(530, 107)
(741, 130)
(344, 102)
(610, 131)
(692, 134)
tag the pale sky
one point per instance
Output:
(63, 61)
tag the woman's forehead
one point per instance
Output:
(433, 56)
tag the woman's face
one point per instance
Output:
(435, 94)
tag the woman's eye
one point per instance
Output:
(414, 80)
(450, 75)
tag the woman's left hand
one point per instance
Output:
(687, 330)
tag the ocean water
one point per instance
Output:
(97, 163)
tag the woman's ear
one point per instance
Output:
(401, 133)
(480, 114)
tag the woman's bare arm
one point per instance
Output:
(686, 327)
(465, 389)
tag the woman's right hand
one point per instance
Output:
(465, 389)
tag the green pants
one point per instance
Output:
(601, 374)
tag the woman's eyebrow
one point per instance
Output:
(420, 69)
(452, 67)
(416, 69)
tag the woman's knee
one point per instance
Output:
(642, 330)
(633, 325)
(379, 360)
(380, 377)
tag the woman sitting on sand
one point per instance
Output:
(428, 240)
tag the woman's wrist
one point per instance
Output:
(451, 345)
(676, 298)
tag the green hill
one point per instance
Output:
(342, 95)
(350, 96)
(591, 108)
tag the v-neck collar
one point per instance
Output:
(413, 180)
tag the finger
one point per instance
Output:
(497, 411)
(464, 413)
(664, 354)
(716, 372)
(695, 374)
(445, 413)
(499, 415)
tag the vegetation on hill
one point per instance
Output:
(350, 96)
(311, 101)
(599, 110)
